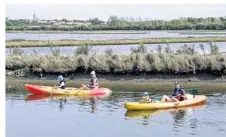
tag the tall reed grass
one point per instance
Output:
(144, 62)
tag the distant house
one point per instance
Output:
(59, 22)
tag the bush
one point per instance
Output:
(84, 49)
(54, 50)
(214, 49)
(140, 49)
(108, 52)
(16, 51)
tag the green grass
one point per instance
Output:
(37, 43)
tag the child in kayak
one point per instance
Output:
(145, 98)
(178, 95)
(93, 82)
(61, 82)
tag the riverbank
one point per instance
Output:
(55, 43)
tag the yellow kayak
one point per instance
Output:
(149, 113)
(198, 99)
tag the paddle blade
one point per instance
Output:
(157, 98)
(193, 91)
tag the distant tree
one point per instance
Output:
(8, 23)
(113, 21)
(95, 21)
(65, 20)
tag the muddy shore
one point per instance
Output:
(198, 77)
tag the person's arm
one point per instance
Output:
(175, 92)
(96, 83)
(184, 94)
(183, 91)
(61, 85)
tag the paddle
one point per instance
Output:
(192, 91)
(189, 91)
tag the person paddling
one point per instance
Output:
(93, 82)
(61, 82)
(179, 94)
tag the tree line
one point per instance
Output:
(116, 23)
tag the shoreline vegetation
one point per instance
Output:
(17, 85)
(116, 23)
(140, 62)
(56, 43)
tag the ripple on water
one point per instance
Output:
(109, 112)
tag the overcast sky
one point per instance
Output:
(84, 12)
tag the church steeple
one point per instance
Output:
(34, 15)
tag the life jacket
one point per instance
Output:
(64, 83)
(178, 91)
(92, 81)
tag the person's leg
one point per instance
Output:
(173, 99)
(165, 99)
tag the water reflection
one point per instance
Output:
(62, 103)
(93, 104)
(63, 99)
(179, 115)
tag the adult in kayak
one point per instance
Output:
(179, 94)
(93, 82)
(61, 82)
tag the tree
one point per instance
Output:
(113, 21)
(95, 21)
(65, 20)
(8, 23)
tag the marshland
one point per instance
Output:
(140, 60)
(130, 56)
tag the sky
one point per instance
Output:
(85, 11)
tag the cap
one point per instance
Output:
(92, 73)
(145, 94)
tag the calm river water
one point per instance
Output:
(38, 116)
(124, 49)
(74, 36)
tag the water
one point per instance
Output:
(107, 117)
(74, 36)
(125, 49)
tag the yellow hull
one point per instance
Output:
(199, 99)
(150, 113)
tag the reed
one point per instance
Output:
(119, 63)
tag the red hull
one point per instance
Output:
(36, 89)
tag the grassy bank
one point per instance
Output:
(136, 63)
(37, 43)
(17, 86)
